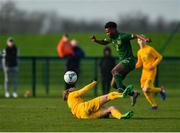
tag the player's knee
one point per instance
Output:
(113, 85)
(111, 108)
(114, 72)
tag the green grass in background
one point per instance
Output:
(45, 45)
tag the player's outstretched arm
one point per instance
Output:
(158, 57)
(86, 88)
(101, 42)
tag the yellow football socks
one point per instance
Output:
(150, 99)
(114, 95)
(116, 114)
(154, 90)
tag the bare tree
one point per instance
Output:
(14, 20)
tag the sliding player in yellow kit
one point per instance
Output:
(149, 58)
(94, 108)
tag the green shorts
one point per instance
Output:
(128, 63)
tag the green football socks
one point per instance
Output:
(127, 115)
(118, 79)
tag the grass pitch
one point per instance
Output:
(52, 114)
(45, 45)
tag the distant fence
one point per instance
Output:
(44, 75)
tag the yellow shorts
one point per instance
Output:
(147, 78)
(89, 109)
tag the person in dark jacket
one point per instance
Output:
(10, 67)
(107, 62)
(73, 62)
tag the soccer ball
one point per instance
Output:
(27, 94)
(70, 77)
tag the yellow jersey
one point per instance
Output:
(74, 100)
(148, 56)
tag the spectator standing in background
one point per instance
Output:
(10, 67)
(64, 47)
(72, 52)
(107, 62)
(65, 50)
(73, 62)
(1, 67)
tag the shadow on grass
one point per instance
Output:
(156, 118)
(148, 118)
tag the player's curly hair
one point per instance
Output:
(65, 95)
(110, 25)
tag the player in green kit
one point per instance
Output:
(127, 61)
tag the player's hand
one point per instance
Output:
(93, 38)
(145, 89)
(94, 81)
(151, 68)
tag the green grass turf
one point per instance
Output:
(52, 114)
(45, 45)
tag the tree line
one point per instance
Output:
(18, 21)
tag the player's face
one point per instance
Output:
(140, 42)
(110, 32)
(71, 89)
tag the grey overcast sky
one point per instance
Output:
(104, 9)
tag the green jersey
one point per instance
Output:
(122, 45)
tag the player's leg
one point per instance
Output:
(160, 90)
(113, 84)
(116, 113)
(96, 103)
(119, 72)
(154, 89)
(113, 95)
(149, 77)
(15, 78)
(163, 93)
(145, 88)
(6, 81)
(133, 97)
(108, 97)
(149, 84)
(151, 100)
